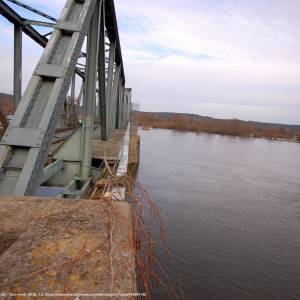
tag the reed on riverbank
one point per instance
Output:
(232, 127)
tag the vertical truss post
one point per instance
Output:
(120, 105)
(101, 78)
(89, 95)
(78, 103)
(109, 88)
(73, 88)
(81, 100)
(17, 64)
(128, 106)
(125, 101)
(70, 117)
(115, 97)
(81, 91)
(96, 107)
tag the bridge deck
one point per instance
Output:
(100, 149)
(109, 149)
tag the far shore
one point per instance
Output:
(230, 127)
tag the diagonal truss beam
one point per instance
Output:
(18, 21)
(25, 144)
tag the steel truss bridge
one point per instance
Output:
(103, 97)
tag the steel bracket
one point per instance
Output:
(49, 70)
(51, 170)
(77, 188)
(68, 26)
(26, 137)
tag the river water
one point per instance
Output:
(232, 212)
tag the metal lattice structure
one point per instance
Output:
(26, 142)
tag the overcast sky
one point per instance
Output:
(230, 58)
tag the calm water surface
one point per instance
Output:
(232, 212)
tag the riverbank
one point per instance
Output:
(230, 127)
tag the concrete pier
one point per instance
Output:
(60, 246)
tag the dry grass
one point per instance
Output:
(146, 217)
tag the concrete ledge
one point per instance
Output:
(66, 246)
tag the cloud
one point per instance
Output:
(209, 54)
(219, 58)
(53, 6)
(226, 31)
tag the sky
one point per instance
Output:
(221, 58)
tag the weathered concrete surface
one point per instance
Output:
(109, 149)
(66, 246)
(134, 150)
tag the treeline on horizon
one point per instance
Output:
(198, 124)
